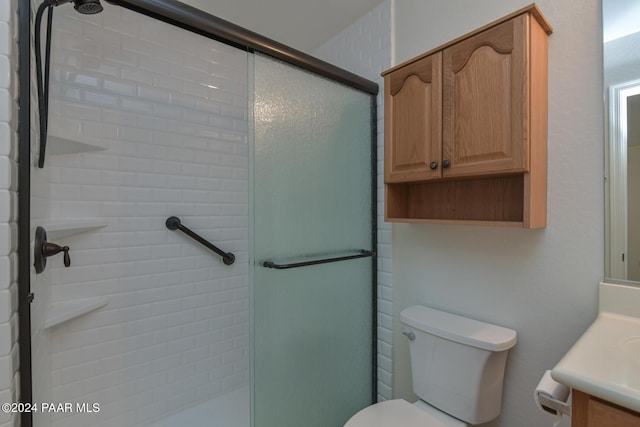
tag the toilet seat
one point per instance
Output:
(394, 413)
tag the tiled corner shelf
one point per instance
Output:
(59, 230)
(57, 145)
(61, 312)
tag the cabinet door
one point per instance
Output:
(413, 120)
(589, 411)
(485, 93)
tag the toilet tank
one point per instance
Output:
(457, 363)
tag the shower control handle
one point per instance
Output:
(43, 249)
(50, 249)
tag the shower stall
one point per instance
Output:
(202, 225)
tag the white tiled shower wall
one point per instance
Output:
(169, 108)
(9, 379)
(364, 48)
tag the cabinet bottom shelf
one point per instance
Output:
(489, 201)
(512, 224)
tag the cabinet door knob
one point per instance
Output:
(433, 165)
(446, 164)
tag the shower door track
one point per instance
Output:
(211, 26)
(197, 21)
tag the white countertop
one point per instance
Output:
(605, 361)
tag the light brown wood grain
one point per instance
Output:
(479, 104)
(579, 408)
(499, 39)
(589, 411)
(535, 202)
(531, 9)
(413, 121)
(485, 96)
(490, 199)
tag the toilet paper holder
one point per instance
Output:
(554, 406)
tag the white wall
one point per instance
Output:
(169, 108)
(622, 60)
(364, 48)
(542, 283)
(633, 191)
(622, 64)
(9, 380)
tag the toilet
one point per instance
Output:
(457, 366)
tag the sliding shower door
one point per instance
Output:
(147, 121)
(312, 324)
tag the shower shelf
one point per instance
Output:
(58, 230)
(57, 145)
(61, 312)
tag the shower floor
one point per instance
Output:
(230, 410)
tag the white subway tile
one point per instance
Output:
(7, 206)
(6, 372)
(160, 96)
(7, 105)
(6, 396)
(141, 47)
(6, 39)
(8, 239)
(6, 10)
(7, 272)
(118, 25)
(7, 338)
(6, 72)
(7, 141)
(384, 392)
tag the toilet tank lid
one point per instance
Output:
(459, 329)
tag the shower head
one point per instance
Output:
(86, 7)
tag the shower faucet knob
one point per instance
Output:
(50, 249)
(43, 249)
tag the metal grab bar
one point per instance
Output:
(361, 254)
(174, 223)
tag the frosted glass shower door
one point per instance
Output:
(312, 325)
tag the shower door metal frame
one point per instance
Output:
(24, 207)
(197, 21)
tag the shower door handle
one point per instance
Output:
(278, 266)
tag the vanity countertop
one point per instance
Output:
(605, 361)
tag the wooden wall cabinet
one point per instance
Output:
(466, 128)
(413, 107)
(589, 411)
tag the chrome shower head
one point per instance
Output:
(87, 7)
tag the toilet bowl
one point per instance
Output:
(457, 367)
(400, 413)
